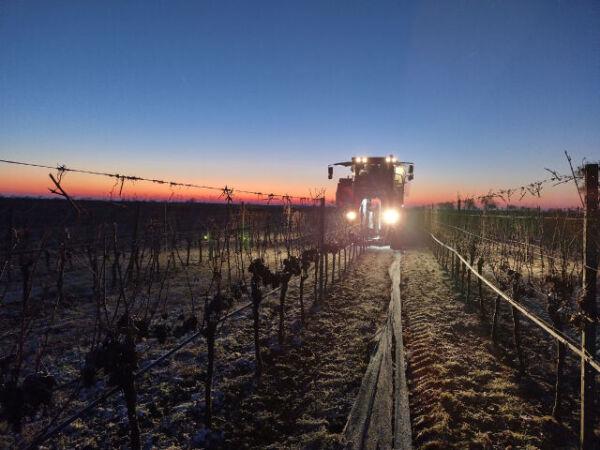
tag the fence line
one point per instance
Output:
(226, 191)
(532, 317)
(549, 255)
(289, 233)
(40, 439)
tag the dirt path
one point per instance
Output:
(461, 394)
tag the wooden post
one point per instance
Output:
(326, 271)
(333, 269)
(166, 229)
(517, 340)
(468, 295)
(495, 317)
(243, 233)
(256, 300)
(316, 279)
(200, 250)
(227, 239)
(480, 286)
(282, 294)
(10, 237)
(472, 250)
(321, 245)
(463, 273)
(589, 306)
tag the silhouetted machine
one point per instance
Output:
(374, 194)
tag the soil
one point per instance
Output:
(303, 398)
(464, 391)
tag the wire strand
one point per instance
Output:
(226, 191)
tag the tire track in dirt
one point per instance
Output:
(461, 394)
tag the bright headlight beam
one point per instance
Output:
(351, 215)
(391, 216)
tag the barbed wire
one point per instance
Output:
(226, 192)
(533, 189)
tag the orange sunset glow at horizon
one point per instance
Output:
(18, 181)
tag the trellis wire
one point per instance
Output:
(532, 317)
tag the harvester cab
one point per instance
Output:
(373, 195)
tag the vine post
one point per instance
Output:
(321, 245)
(589, 305)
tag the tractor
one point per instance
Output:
(373, 196)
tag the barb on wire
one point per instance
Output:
(227, 194)
(60, 171)
(120, 178)
(534, 189)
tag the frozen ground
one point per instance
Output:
(464, 391)
(305, 394)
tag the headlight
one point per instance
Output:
(391, 216)
(351, 216)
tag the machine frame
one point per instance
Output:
(374, 194)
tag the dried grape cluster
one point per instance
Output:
(25, 399)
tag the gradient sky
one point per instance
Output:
(263, 95)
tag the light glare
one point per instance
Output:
(391, 216)
(351, 215)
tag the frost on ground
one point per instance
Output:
(310, 385)
(303, 399)
(462, 393)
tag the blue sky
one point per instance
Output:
(479, 94)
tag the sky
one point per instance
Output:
(263, 95)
